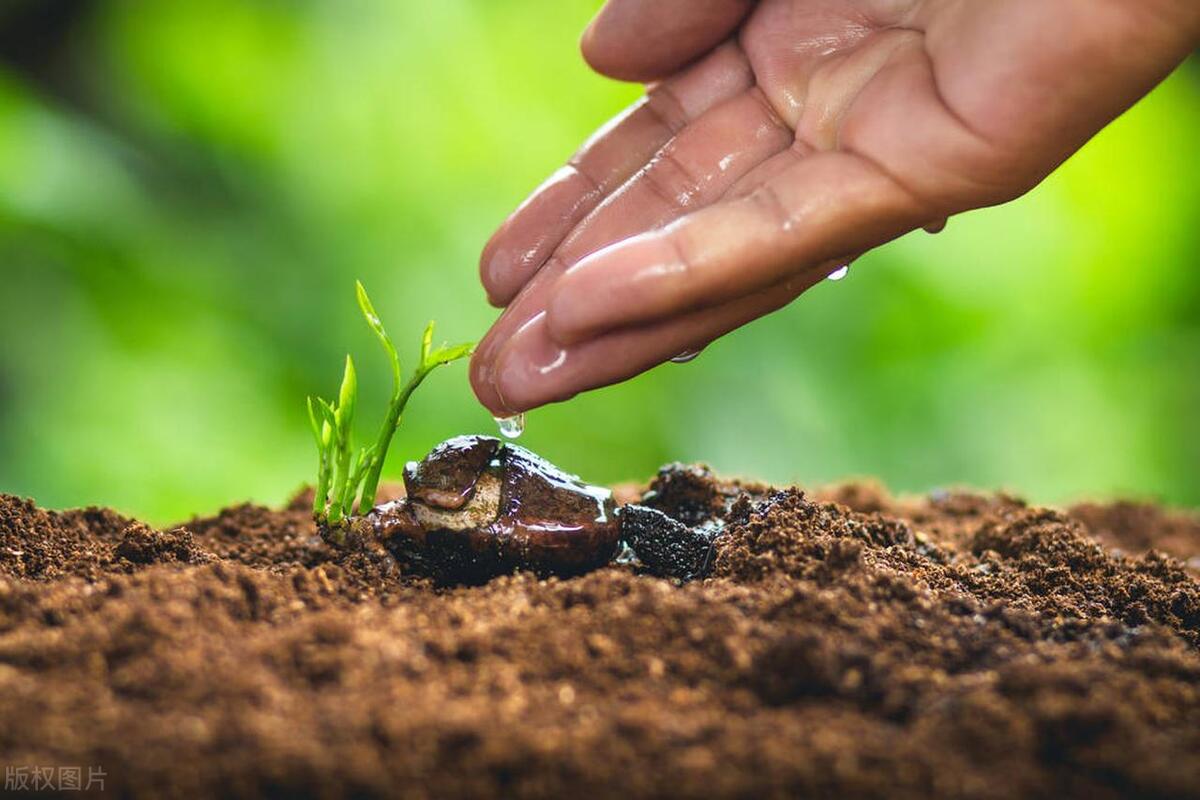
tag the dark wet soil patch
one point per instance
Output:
(952, 646)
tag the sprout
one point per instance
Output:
(343, 474)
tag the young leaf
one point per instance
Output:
(322, 432)
(376, 325)
(343, 415)
(329, 415)
(316, 426)
(368, 310)
(426, 342)
(347, 396)
(448, 353)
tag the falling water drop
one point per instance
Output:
(685, 356)
(839, 273)
(511, 427)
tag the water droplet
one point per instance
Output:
(511, 427)
(685, 356)
(625, 554)
(839, 273)
(937, 226)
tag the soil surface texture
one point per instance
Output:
(845, 644)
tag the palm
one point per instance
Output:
(930, 92)
(844, 79)
(809, 132)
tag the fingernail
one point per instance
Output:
(482, 374)
(526, 365)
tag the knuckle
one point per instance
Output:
(668, 178)
(662, 104)
(766, 199)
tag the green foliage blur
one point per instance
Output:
(189, 188)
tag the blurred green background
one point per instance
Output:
(188, 190)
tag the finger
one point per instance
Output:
(823, 207)
(528, 304)
(695, 168)
(619, 149)
(642, 40)
(533, 369)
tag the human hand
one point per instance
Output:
(800, 134)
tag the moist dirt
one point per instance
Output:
(845, 644)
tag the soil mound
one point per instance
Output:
(848, 644)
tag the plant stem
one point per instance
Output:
(321, 493)
(386, 432)
(343, 420)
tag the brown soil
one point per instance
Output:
(952, 646)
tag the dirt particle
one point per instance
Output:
(141, 544)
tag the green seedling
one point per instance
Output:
(347, 478)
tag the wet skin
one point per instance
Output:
(779, 140)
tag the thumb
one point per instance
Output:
(645, 40)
